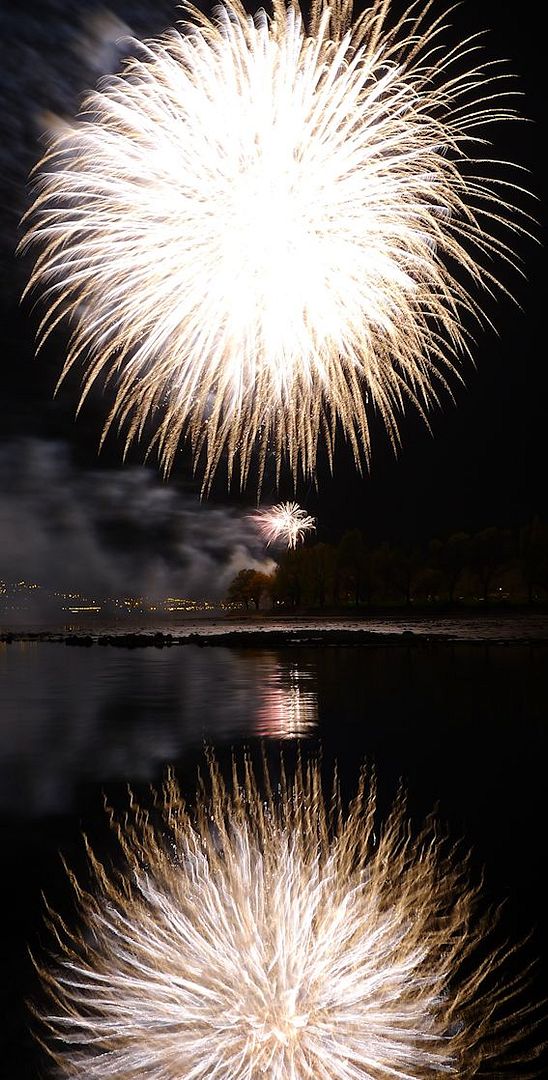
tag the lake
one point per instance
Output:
(464, 726)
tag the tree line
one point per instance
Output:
(492, 565)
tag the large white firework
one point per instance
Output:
(265, 934)
(286, 522)
(264, 222)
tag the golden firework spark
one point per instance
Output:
(287, 522)
(265, 934)
(264, 222)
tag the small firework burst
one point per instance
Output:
(265, 934)
(256, 227)
(286, 522)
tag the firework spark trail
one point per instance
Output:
(287, 522)
(251, 229)
(263, 934)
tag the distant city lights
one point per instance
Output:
(20, 596)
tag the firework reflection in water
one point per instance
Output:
(256, 227)
(287, 705)
(270, 933)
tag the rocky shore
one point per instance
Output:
(307, 634)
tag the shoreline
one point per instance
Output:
(254, 631)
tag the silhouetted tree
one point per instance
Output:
(395, 570)
(240, 589)
(450, 557)
(533, 544)
(319, 574)
(261, 585)
(488, 551)
(290, 577)
(250, 586)
(427, 583)
(320, 571)
(352, 565)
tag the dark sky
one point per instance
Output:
(484, 461)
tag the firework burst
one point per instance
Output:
(286, 522)
(255, 227)
(264, 934)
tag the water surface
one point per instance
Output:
(465, 726)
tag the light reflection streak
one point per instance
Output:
(289, 704)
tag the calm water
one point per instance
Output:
(465, 726)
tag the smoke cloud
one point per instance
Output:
(115, 532)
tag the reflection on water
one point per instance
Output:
(441, 716)
(466, 727)
(73, 714)
(287, 703)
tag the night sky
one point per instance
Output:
(483, 462)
